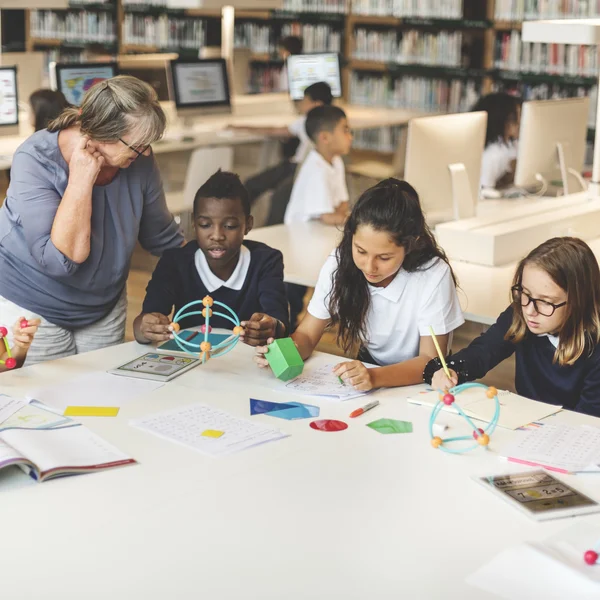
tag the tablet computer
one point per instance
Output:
(539, 495)
(157, 366)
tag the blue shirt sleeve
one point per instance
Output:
(158, 229)
(37, 200)
(163, 289)
(589, 398)
(271, 290)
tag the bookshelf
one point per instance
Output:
(428, 55)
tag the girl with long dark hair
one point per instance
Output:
(383, 287)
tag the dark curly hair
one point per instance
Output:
(391, 206)
(223, 184)
(501, 108)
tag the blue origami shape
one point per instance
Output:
(289, 411)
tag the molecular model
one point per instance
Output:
(206, 349)
(591, 556)
(10, 362)
(481, 436)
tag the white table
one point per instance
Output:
(350, 515)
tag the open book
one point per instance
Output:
(515, 411)
(48, 453)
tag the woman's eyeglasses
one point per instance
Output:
(138, 152)
(542, 307)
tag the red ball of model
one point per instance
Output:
(477, 433)
(10, 363)
(590, 557)
(3, 332)
(448, 399)
(24, 323)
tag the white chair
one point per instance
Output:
(202, 164)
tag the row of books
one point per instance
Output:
(550, 91)
(164, 31)
(317, 6)
(408, 47)
(414, 93)
(534, 57)
(382, 139)
(315, 38)
(519, 10)
(73, 26)
(443, 9)
(264, 38)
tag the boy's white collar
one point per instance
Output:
(212, 282)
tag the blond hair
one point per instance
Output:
(571, 264)
(120, 106)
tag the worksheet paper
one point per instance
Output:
(553, 569)
(92, 389)
(515, 411)
(187, 424)
(322, 382)
(563, 447)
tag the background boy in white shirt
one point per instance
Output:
(320, 190)
(315, 95)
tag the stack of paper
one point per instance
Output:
(561, 448)
(208, 430)
(92, 389)
(553, 569)
(322, 382)
(515, 411)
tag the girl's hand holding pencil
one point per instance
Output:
(441, 381)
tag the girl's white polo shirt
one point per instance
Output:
(401, 313)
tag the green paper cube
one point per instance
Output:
(284, 359)
(391, 426)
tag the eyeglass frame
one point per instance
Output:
(519, 289)
(135, 149)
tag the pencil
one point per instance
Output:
(439, 351)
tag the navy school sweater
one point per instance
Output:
(576, 387)
(176, 281)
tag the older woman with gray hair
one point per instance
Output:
(81, 193)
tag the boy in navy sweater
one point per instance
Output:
(247, 276)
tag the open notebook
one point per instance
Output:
(49, 453)
(515, 411)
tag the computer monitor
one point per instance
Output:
(443, 163)
(74, 80)
(306, 69)
(30, 69)
(154, 69)
(552, 143)
(9, 101)
(200, 87)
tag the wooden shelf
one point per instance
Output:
(126, 48)
(507, 25)
(374, 20)
(56, 43)
(367, 65)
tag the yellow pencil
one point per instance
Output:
(439, 351)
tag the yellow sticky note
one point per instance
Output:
(212, 433)
(91, 411)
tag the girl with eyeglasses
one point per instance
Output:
(552, 326)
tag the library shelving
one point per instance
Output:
(430, 55)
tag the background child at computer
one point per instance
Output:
(287, 47)
(22, 337)
(245, 275)
(319, 190)
(500, 155)
(46, 105)
(315, 95)
(384, 286)
(552, 327)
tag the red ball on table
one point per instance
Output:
(10, 363)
